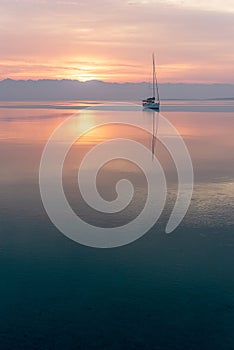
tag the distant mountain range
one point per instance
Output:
(45, 90)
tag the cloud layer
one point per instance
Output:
(112, 40)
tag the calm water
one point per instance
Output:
(162, 291)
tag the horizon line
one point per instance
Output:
(109, 82)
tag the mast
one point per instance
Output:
(155, 81)
(153, 75)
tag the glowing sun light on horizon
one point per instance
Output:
(85, 73)
(85, 77)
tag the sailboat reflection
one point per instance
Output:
(155, 117)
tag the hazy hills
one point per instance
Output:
(19, 90)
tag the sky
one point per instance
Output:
(112, 40)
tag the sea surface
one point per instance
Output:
(162, 291)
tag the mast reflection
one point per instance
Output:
(155, 119)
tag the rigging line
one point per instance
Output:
(153, 75)
(155, 79)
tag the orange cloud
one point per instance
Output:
(112, 40)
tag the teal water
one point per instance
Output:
(162, 291)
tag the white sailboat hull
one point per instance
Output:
(155, 106)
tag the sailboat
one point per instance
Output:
(153, 102)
